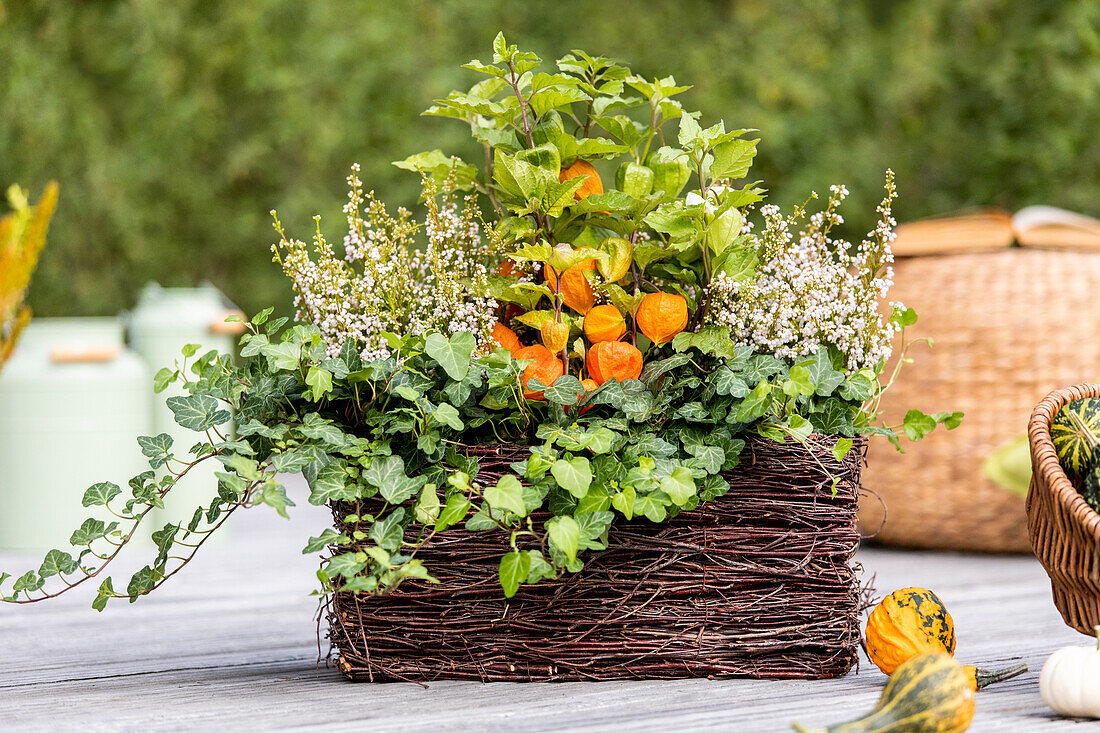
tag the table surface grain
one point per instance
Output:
(231, 643)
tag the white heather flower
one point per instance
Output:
(813, 290)
(383, 284)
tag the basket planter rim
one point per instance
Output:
(1044, 458)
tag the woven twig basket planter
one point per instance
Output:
(756, 583)
(1009, 326)
(1064, 530)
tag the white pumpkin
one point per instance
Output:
(1070, 681)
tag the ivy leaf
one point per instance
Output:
(388, 533)
(564, 391)
(163, 378)
(949, 420)
(573, 474)
(652, 508)
(331, 484)
(323, 540)
(564, 535)
(727, 382)
(89, 532)
(835, 418)
(285, 356)
(197, 412)
(291, 461)
(799, 382)
(157, 448)
(840, 450)
(824, 376)
(273, 494)
(507, 494)
(142, 582)
(106, 592)
(755, 404)
(100, 494)
(319, 381)
(624, 501)
(679, 485)
(762, 366)
(514, 569)
(857, 387)
(453, 512)
(28, 581)
(539, 567)
(347, 564)
(453, 354)
(57, 563)
(448, 415)
(916, 424)
(712, 340)
(316, 427)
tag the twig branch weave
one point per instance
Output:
(756, 583)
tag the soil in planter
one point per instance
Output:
(757, 583)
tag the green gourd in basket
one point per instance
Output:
(1075, 432)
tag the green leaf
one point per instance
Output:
(539, 567)
(89, 532)
(388, 533)
(799, 382)
(949, 420)
(514, 569)
(273, 494)
(733, 158)
(840, 450)
(320, 382)
(448, 415)
(323, 540)
(727, 382)
(158, 448)
(331, 484)
(564, 535)
(916, 424)
(755, 404)
(57, 563)
(679, 485)
(190, 350)
(507, 494)
(427, 506)
(453, 354)
(163, 378)
(651, 507)
(285, 356)
(712, 340)
(624, 501)
(100, 494)
(573, 474)
(106, 592)
(824, 376)
(564, 391)
(197, 412)
(348, 564)
(454, 511)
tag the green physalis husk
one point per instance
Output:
(1075, 431)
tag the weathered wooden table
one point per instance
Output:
(231, 644)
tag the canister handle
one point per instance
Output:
(234, 328)
(84, 354)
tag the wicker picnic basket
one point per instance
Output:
(1064, 530)
(756, 583)
(1009, 324)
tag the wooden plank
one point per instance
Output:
(231, 643)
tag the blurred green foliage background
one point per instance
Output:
(174, 128)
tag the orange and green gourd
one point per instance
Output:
(928, 693)
(604, 323)
(613, 360)
(661, 316)
(545, 367)
(1075, 432)
(914, 621)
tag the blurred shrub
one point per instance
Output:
(177, 126)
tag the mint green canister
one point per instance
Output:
(160, 325)
(73, 401)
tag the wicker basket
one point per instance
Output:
(1064, 530)
(1008, 325)
(756, 583)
